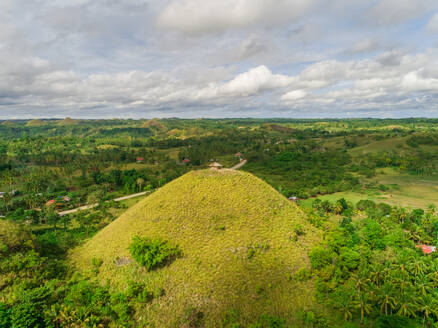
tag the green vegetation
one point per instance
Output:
(369, 268)
(218, 248)
(152, 253)
(237, 236)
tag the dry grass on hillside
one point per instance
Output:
(216, 218)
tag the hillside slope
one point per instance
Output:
(239, 243)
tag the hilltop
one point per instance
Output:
(68, 121)
(241, 242)
(36, 123)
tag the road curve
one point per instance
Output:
(239, 165)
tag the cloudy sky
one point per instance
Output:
(218, 58)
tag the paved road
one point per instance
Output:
(239, 165)
(86, 207)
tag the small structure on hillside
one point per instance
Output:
(186, 161)
(140, 159)
(50, 202)
(427, 249)
(216, 166)
(238, 154)
(293, 198)
(2, 194)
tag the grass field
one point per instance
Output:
(217, 218)
(405, 190)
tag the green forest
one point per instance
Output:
(366, 190)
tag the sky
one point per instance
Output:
(218, 58)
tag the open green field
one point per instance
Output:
(404, 190)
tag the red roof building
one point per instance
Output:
(238, 155)
(140, 159)
(427, 249)
(50, 202)
(186, 161)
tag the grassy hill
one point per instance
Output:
(241, 242)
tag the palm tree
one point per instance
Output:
(362, 303)
(428, 304)
(407, 307)
(416, 268)
(377, 274)
(140, 183)
(385, 299)
(361, 284)
(423, 285)
(346, 303)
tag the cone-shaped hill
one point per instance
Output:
(239, 243)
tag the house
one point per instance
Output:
(215, 166)
(427, 249)
(50, 202)
(186, 161)
(2, 193)
(66, 199)
(238, 154)
(140, 159)
(293, 198)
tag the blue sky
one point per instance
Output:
(211, 58)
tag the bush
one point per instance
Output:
(26, 315)
(4, 316)
(365, 204)
(319, 257)
(302, 275)
(153, 253)
(14, 238)
(268, 321)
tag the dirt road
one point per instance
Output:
(86, 207)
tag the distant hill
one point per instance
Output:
(8, 123)
(240, 247)
(154, 124)
(68, 121)
(35, 123)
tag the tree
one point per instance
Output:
(363, 304)
(52, 218)
(428, 304)
(385, 299)
(406, 305)
(140, 183)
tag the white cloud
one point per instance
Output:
(432, 25)
(82, 56)
(399, 11)
(294, 95)
(212, 16)
(365, 45)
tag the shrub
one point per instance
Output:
(319, 257)
(302, 275)
(268, 321)
(4, 316)
(14, 238)
(153, 253)
(26, 315)
(365, 204)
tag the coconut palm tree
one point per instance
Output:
(416, 267)
(363, 304)
(428, 305)
(423, 285)
(406, 306)
(386, 299)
